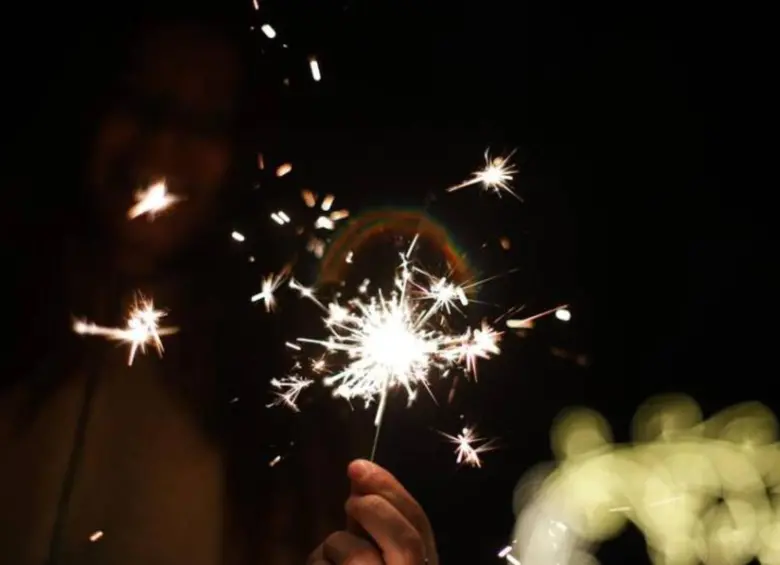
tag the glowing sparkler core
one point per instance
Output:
(392, 342)
(469, 447)
(142, 329)
(152, 201)
(495, 176)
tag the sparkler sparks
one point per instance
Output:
(325, 221)
(392, 342)
(270, 285)
(495, 176)
(287, 391)
(142, 328)
(152, 201)
(469, 447)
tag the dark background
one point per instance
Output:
(643, 208)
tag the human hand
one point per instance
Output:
(386, 525)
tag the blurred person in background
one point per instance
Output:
(154, 456)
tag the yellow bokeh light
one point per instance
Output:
(700, 491)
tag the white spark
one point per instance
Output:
(152, 201)
(469, 447)
(496, 175)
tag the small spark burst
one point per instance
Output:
(495, 176)
(142, 328)
(287, 390)
(479, 343)
(469, 447)
(271, 284)
(152, 201)
(325, 221)
(391, 341)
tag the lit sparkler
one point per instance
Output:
(496, 175)
(142, 328)
(469, 447)
(391, 342)
(152, 201)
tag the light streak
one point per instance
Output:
(152, 200)
(283, 169)
(315, 69)
(269, 31)
(529, 321)
(237, 236)
(280, 217)
(495, 176)
(142, 328)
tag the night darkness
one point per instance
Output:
(637, 208)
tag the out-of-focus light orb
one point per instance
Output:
(563, 314)
(700, 491)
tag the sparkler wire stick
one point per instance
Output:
(74, 458)
(380, 416)
(380, 413)
(69, 480)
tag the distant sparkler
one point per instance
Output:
(496, 175)
(152, 201)
(142, 328)
(469, 447)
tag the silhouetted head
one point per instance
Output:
(170, 117)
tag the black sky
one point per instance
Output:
(641, 208)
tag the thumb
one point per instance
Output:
(356, 470)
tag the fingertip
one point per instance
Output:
(360, 469)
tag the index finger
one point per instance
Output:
(369, 478)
